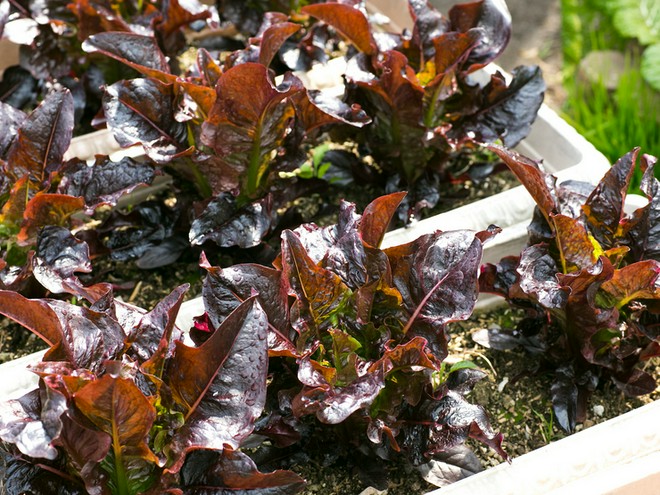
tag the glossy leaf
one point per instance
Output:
(245, 134)
(17, 88)
(42, 139)
(319, 292)
(538, 183)
(636, 281)
(32, 423)
(222, 384)
(507, 111)
(47, 209)
(118, 408)
(140, 52)
(564, 396)
(227, 224)
(576, 247)
(105, 181)
(10, 119)
(273, 38)
(644, 227)
(59, 256)
(429, 24)
(604, 207)
(233, 472)
(23, 477)
(141, 111)
(456, 419)
(377, 217)
(225, 289)
(347, 20)
(537, 272)
(35, 315)
(490, 15)
(157, 329)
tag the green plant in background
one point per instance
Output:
(614, 110)
(640, 20)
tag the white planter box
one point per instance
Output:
(618, 457)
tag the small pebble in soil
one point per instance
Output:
(598, 410)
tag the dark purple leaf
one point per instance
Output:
(637, 382)
(141, 111)
(316, 108)
(89, 337)
(18, 88)
(45, 57)
(59, 256)
(156, 329)
(451, 466)
(84, 445)
(33, 422)
(463, 380)
(507, 112)
(604, 207)
(105, 181)
(564, 396)
(227, 224)
(225, 288)
(21, 477)
(457, 419)
(490, 15)
(142, 53)
(222, 384)
(10, 121)
(441, 277)
(494, 338)
(42, 139)
(428, 25)
(333, 405)
(214, 473)
(644, 227)
(537, 272)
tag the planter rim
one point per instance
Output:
(619, 456)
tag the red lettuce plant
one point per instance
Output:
(124, 406)
(51, 33)
(358, 334)
(589, 279)
(39, 192)
(430, 107)
(233, 147)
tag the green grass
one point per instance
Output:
(614, 121)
